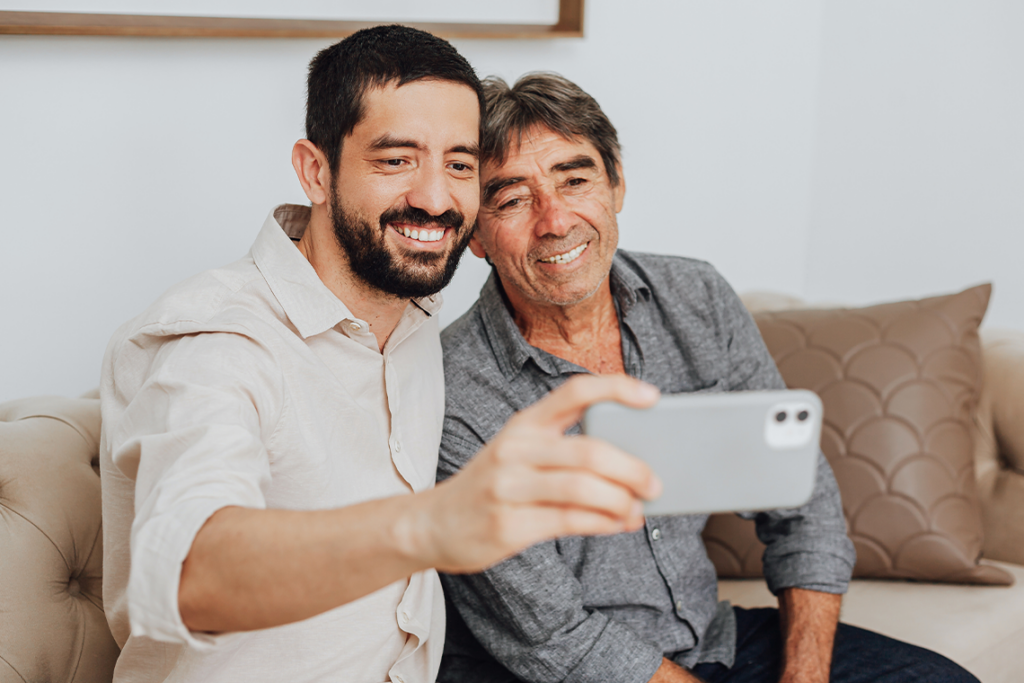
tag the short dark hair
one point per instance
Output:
(549, 100)
(340, 75)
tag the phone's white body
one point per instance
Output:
(720, 452)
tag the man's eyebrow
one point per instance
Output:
(471, 150)
(496, 185)
(580, 161)
(388, 141)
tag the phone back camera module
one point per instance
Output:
(788, 425)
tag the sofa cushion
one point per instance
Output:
(899, 383)
(978, 627)
(53, 627)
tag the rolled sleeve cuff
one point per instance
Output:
(159, 548)
(825, 569)
(618, 654)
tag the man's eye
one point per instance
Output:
(576, 182)
(510, 204)
(394, 163)
(461, 167)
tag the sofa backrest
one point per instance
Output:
(999, 444)
(52, 626)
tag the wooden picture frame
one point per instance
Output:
(569, 25)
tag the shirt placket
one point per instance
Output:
(666, 558)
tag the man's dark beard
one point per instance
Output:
(371, 262)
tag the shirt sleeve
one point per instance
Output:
(528, 613)
(191, 437)
(807, 547)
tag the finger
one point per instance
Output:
(596, 456)
(568, 488)
(564, 406)
(545, 522)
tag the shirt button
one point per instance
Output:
(398, 678)
(679, 605)
(355, 327)
(398, 446)
(656, 534)
(404, 618)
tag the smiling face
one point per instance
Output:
(547, 220)
(406, 193)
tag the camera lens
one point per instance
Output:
(780, 416)
(802, 415)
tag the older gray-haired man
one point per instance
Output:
(563, 300)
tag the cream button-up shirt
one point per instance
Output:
(253, 385)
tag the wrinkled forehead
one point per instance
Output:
(523, 141)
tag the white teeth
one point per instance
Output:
(568, 256)
(423, 235)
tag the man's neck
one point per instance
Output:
(585, 333)
(379, 310)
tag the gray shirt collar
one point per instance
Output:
(512, 351)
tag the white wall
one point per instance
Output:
(919, 163)
(128, 164)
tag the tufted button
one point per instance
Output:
(73, 588)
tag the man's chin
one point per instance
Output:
(564, 296)
(415, 280)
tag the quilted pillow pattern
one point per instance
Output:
(899, 383)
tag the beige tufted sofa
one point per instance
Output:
(52, 627)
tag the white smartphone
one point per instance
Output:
(721, 452)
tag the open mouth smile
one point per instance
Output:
(567, 257)
(421, 234)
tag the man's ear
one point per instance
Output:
(619, 191)
(311, 167)
(476, 247)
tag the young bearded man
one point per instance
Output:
(271, 428)
(562, 302)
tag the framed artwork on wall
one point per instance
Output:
(293, 19)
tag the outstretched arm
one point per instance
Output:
(808, 620)
(250, 568)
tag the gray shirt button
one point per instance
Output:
(679, 605)
(655, 534)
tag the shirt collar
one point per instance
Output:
(512, 351)
(306, 300)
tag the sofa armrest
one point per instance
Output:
(999, 448)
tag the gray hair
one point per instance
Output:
(551, 101)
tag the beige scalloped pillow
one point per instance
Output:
(899, 383)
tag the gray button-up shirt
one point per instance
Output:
(608, 608)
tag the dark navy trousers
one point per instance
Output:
(859, 656)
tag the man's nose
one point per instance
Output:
(556, 217)
(430, 191)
